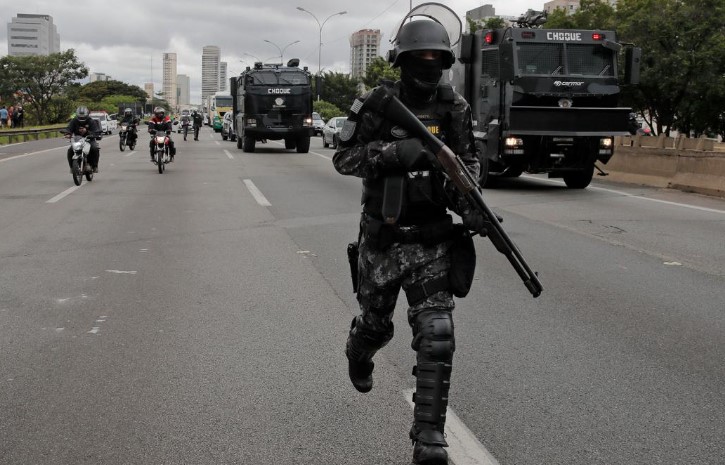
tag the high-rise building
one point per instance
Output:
(184, 86)
(32, 35)
(93, 77)
(148, 87)
(168, 85)
(223, 75)
(210, 58)
(364, 48)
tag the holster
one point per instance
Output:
(463, 262)
(352, 258)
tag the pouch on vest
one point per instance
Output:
(463, 262)
(352, 257)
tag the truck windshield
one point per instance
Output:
(271, 77)
(558, 59)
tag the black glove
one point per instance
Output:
(474, 220)
(413, 155)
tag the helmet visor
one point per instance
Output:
(438, 13)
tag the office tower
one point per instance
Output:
(223, 75)
(32, 35)
(168, 85)
(184, 86)
(364, 48)
(210, 58)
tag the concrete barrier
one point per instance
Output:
(692, 165)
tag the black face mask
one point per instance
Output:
(420, 77)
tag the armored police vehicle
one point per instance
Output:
(544, 100)
(273, 102)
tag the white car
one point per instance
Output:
(331, 131)
(317, 123)
(107, 125)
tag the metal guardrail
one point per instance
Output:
(24, 135)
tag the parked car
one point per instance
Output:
(107, 124)
(317, 123)
(228, 127)
(331, 131)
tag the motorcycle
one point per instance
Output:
(81, 147)
(125, 137)
(161, 140)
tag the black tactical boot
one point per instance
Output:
(361, 374)
(360, 348)
(431, 401)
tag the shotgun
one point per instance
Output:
(393, 109)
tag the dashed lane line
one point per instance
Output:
(256, 193)
(31, 153)
(66, 192)
(231, 157)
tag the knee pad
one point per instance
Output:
(433, 336)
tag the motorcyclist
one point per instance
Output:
(85, 126)
(196, 117)
(131, 121)
(161, 122)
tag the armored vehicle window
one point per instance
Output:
(540, 58)
(274, 78)
(489, 64)
(590, 60)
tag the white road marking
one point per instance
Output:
(463, 447)
(672, 263)
(121, 272)
(257, 194)
(68, 191)
(30, 153)
(217, 142)
(231, 157)
(635, 196)
(130, 153)
(310, 152)
(95, 330)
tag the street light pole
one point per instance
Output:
(319, 48)
(281, 50)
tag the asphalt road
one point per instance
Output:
(199, 316)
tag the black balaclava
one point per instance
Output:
(420, 77)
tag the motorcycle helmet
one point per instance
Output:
(159, 112)
(82, 113)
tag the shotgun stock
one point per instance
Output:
(394, 110)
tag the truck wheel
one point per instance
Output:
(303, 144)
(249, 144)
(290, 143)
(224, 137)
(579, 179)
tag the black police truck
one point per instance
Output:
(544, 100)
(273, 102)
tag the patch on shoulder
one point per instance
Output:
(347, 131)
(398, 132)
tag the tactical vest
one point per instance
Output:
(418, 197)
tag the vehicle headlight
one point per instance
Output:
(513, 142)
(606, 142)
(307, 122)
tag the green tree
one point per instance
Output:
(339, 89)
(379, 69)
(683, 47)
(326, 109)
(592, 14)
(42, 78)
(99, 90)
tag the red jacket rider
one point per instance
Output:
(160, 122)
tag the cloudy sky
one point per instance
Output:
(126, 39)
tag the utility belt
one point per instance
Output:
(381, 235)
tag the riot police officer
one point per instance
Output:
(407, 237)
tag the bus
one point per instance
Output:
(216, 106)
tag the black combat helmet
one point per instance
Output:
(422, 35)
